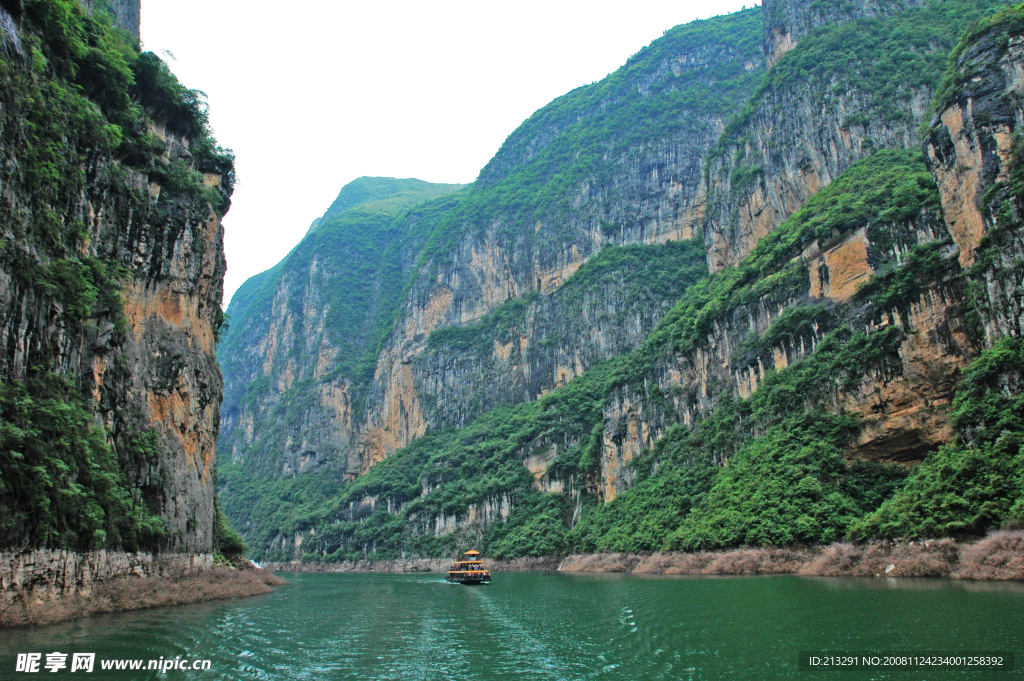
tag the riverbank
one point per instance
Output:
(542, 564)
(44, 587)
(999, 556)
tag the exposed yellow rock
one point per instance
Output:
(400, 420)
(502, 350)
(618, 449)
(783, 43)
(908, 416)
(837, 272)
(538, 460)
(960, 189)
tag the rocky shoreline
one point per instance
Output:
(999, 556)
(44, 586)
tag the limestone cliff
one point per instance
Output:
(857, 83)
(916, 318)
(787, 21)
(539, 210)
(808, 389)
(974, 150)
(526, 348)
(305, 334)
(615, 163)
(900, 403)
(111, 270)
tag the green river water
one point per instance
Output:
(548, 626)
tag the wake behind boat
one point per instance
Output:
(469, 570)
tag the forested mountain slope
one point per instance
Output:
(845, 370)
(303, 337)
(496, 254)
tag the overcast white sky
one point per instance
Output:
(311, 95)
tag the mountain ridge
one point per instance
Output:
(819, 357)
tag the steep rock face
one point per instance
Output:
(884, 300)
(836, 98)
(530, 346)
(124, 13)
(781, 399)
(597, 167)
(172, 306)
(974, 151)
(787, 21)
(304, 334)
(902, 406)
(614, 163)
(52, 575)
(111, 275)
(902, 286)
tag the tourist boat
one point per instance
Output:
(469, 570)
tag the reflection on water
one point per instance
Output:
(548, 626)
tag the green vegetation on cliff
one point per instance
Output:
(884, 191)
(672, 95)
(755, 444)
(644, 273)
(854, 87)
(999, 28)
(787, 478)
(62, 485)
(479, 464)
(77, 101)
(892, 58)
(977, 482)
(353, 266)
(457, 468)
(885, 60)
(91, 87)
(359, 244)
(694, 75)
(86, 90)
(495, 326)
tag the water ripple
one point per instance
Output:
(545, 626)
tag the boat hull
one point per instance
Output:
(469, 579)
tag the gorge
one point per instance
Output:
(757, 288)
(752, 303)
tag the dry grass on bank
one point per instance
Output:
(137, 593)
(601, 562)
(937, 558)
(999, 556)
(743, 562)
